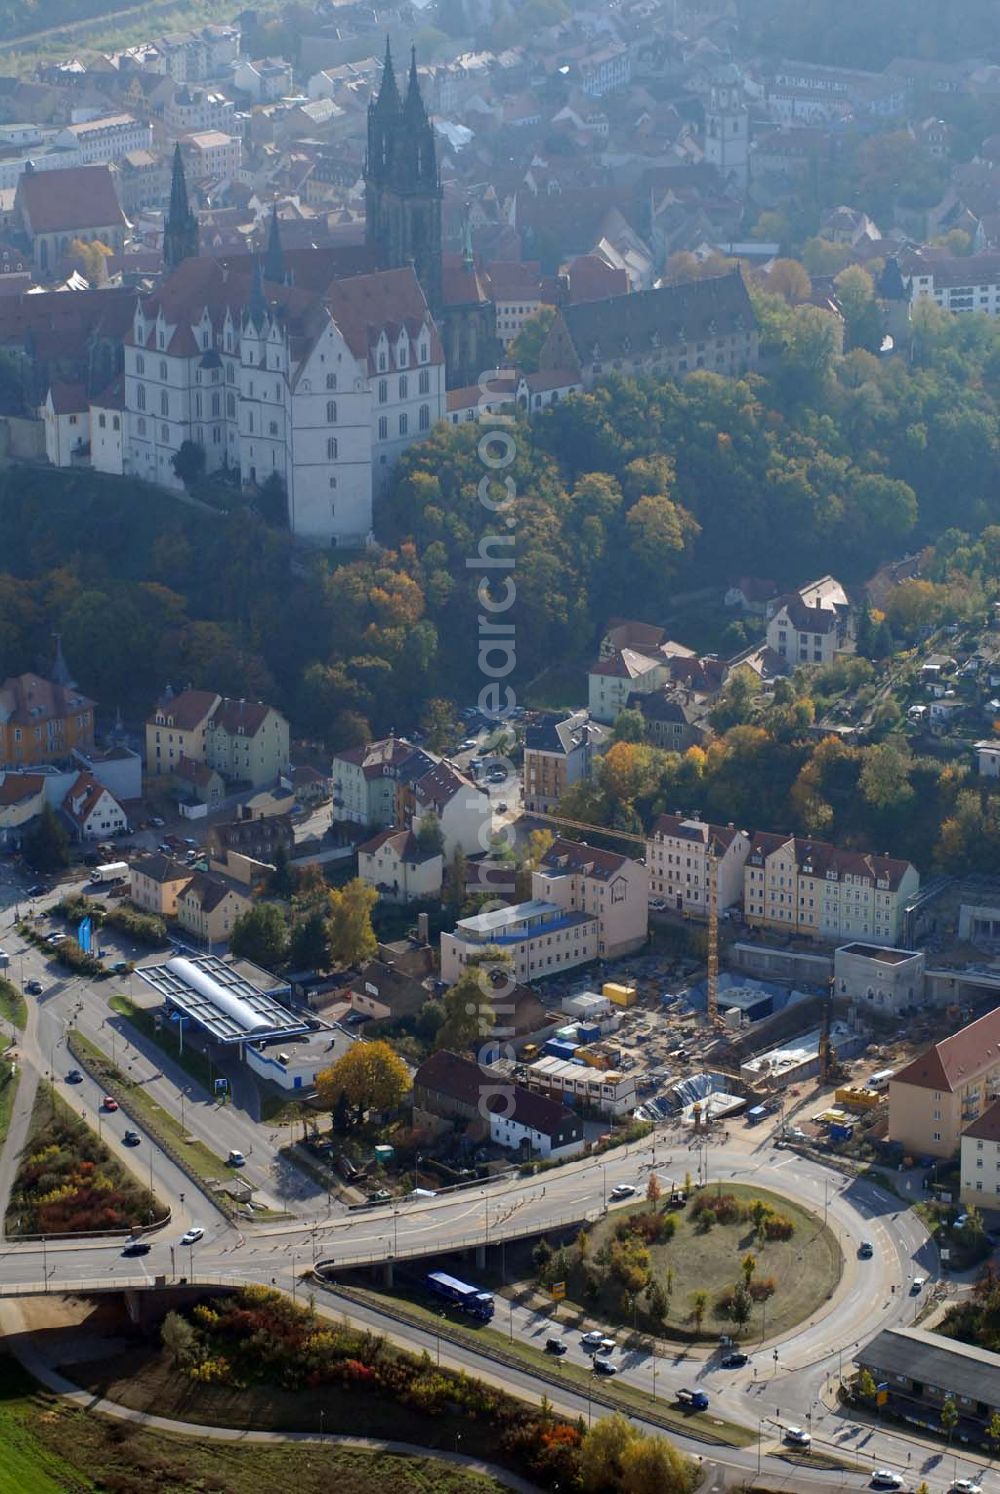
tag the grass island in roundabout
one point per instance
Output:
(732, 1259)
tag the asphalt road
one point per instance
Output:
(767, 1395)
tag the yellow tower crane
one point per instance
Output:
(712, 873)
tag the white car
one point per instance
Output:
(885, 1478)
(797, 1437)
(193, 1236)
(965, 1486)
(622, 1190)
(593, 1339)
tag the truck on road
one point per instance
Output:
(112, 871)
(470, 1299)
(692, 1400)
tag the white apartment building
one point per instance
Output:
(367, 781)
(191, 56)
(586, 904)
(627, 672)
(540, 937)
(812, 625)
(677, 854)
(980, 1161)
(812, 888)
(100, 141)
(323, 390)
(969, 282)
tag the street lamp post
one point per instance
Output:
(510, 1303)
(604, 1180)
(760, 1441)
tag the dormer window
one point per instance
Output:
(140, 364)
(160, 340)
(381, 362)
(401, 355)
(423, 352)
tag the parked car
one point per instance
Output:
(131, 1138)
(236, 1159)
(735, 1360)
(919, 1282)
(156, 822)
(192, 1236)
(657, 905)
(555, 1346)
(136, 1247)
(56, 938)
(74, 1077)
(37, 889)
(120, 967)
(604, 1367)
(866, 1250)
(796, 1437)
(109, 1103)
(592, 1339)
(885, 1478)
(34, 988)
(965, 1486)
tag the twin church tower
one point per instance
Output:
(402, 185)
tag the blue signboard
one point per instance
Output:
(85, 935)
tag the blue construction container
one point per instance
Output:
(589, 1032)
(559, 1048)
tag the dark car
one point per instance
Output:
(131, 1138)
(555, 1346)
(74, 1077)
(36, 890)
(120, 967)
(604, 1367)
(735, 1361)
(34, 988)
(136, 1247)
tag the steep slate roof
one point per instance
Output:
(76, 197)
(207, 891)
(816, 858)
(624, 326)
(561, 733)
(161, 868)
(440, 785)
(956, 1059)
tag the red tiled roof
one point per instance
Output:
(577, 856)
(243, 718)
(187, 710)
(956, 1059)
(69, 399)
(15, 788)
(27, 700)
(79, 197)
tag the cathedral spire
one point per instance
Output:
(274, 258)
(388, 101)
(180, 231)
(414, 109)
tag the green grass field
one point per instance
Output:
(12, 1004)
(48, 1447)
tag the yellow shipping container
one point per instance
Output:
(620, 995)
(857, 1099)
